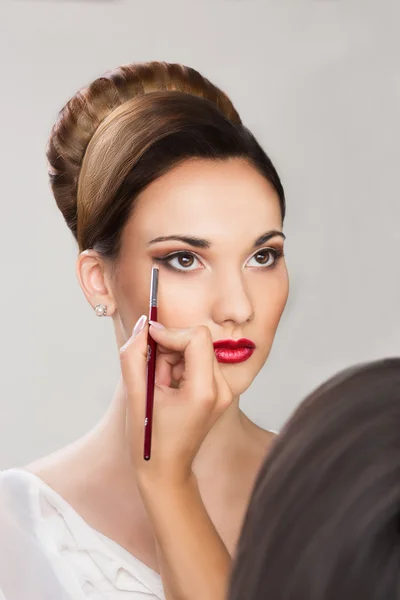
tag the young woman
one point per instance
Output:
(323, 521)
(151, 164)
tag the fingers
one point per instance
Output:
(225, 395)
(185, 355)
(133, 357)
(165, 367)
(196, 346)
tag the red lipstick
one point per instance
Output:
(233, 351)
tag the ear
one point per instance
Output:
(94, 278)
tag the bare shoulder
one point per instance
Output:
(69, 471)
(51, 463)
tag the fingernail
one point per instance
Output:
(156, 324)
(139, 325)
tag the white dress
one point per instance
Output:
(48, 552)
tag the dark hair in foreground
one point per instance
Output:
(324, 518)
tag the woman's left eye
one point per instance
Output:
(265, 258)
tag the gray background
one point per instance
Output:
(317, 81)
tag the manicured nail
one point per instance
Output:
(156, 324)
(139, 325)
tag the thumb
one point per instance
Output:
(133, 359)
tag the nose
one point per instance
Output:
(231, 300)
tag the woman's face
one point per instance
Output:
(223, 274)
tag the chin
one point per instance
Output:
(238, 382)
(240, 376)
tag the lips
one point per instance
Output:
(233, 351)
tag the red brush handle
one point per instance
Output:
(150, 376)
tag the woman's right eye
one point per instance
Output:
(180, 261)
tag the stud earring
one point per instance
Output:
(100, 310)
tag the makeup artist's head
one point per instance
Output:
(154, 151)
(324, 517)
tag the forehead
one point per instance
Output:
(210, 199)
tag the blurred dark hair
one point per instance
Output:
(323, 521)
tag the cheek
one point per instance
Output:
(181, 303)
(132, 303)
(132, 293)
(272, 301)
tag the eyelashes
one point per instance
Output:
(269, 256)
(187, 261)
(181, 255)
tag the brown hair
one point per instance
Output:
(129, 127)
(323, 521)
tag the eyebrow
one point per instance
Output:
(205, 244)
